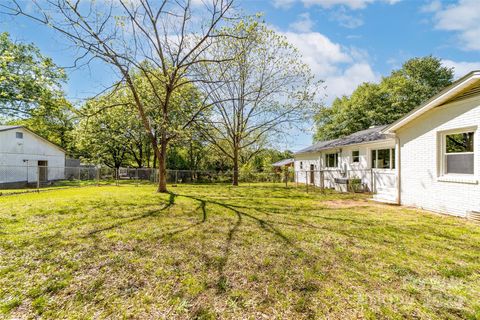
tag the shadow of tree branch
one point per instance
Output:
(151, 213)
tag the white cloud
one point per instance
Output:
(463, 18)
(346, 20)
(461, 68)
(303, 24)
(433, 6)
(342, 69)
(347, 80)
(352, 4)
(284, 4)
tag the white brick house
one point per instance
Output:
(26, 157)
(434, 157)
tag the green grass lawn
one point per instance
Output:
(213, 251)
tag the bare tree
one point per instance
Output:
(171, 37)
(267, 91)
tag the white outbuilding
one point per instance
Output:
(429, 159)
(25, 157)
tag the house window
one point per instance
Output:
(458, 153)
(19, 135)
(331, 160)
(356, 156)
(301, 165)
(383, 159)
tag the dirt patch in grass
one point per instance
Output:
(346, 203)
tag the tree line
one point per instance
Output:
(374, 104)
(199, 83)
(198, 86)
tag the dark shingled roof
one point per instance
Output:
(370, 134)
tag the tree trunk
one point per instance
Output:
(235, 167)
(162, 166)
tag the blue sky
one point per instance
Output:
(345, 42)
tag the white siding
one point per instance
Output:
(383, 178)
(14, 151)
(420, 160)
(301, 174)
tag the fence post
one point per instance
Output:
(136, 176)
(286, 177)
(97, 174)
(322, 180)
(176, 176)
(306, 179)
(38, 179)
(372, 182)
(116, 177)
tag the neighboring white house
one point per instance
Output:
(26, 157)
(429, 159)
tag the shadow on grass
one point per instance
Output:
(202, 207)
(151, 213)
(267, 226)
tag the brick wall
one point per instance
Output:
(421, 177)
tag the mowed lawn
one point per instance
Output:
(214, 251)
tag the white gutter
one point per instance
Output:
(399, 170)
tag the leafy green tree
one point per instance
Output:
(130, 144)
(102, 137)
(172, 35)
(266, 90)
(55, 125)
(377, 104)
(30, 83)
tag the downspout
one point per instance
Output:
(399, 171)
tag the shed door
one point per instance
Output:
(43, 171)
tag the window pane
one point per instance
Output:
(356, 156)
(460, 163)
(331, 160)
(19, 135)
(374, 158)
(383, 161)
(459, 142)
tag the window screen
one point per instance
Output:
(459, 156)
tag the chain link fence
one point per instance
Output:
(20, 179)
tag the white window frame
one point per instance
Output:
(337, 160)
(358, 157)
(301, 165)
(392, 160)
(443, 152)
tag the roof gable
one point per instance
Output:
(463, 88)
(8, 128)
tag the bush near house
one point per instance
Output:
(212, 251)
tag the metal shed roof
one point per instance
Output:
(283, 162)
(6, 128)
